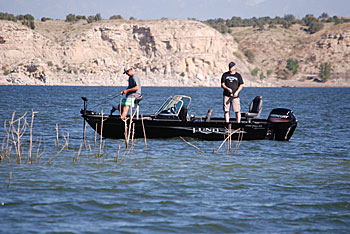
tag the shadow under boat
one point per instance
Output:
(173, 120)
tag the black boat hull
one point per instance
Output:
(215, 130)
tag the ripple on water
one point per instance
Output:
(266, 186)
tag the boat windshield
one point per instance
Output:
(173, 105)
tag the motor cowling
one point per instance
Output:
(281, 115)
(282, 124)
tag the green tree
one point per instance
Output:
(315, 27)
(250, 55)
(289, 17)
(325, 71)
(255, 71)
(44, 19)
(70, 18)
(286, 24)
(268, 72)
(20, 17)
(80, 17)
(337, 20)
(91, 19)
(292, 65)
(262, 76)
(324, 15)
(118, 17)
(29, 17)
(98, 17)
(31, 24)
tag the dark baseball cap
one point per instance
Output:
(231, 64)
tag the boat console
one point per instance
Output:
(175, 108)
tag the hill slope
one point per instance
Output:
(165, 52)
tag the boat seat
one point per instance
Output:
(255, 108)
(183, 115)
(138, 99)
(137, 104)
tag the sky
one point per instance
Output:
(179, 9)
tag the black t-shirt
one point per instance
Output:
(233, 81)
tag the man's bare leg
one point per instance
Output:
(238, 117)
(227, 116)
(124, 112)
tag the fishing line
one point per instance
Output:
(105, 100)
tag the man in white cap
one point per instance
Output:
(132, 91)
(232, 83)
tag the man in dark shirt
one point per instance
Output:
(132, 91)
(232, 83)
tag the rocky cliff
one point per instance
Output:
(164, 52)
(273, 46)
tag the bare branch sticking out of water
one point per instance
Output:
(191, 144)
(75, 159)
(9, 183)
(17, 133)
(31, 138)
(57, 142)
(240, 138)
(65, 146)
(144, 131)
(227, 139)
(116, 160)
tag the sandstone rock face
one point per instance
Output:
(334, 47)
(273, 46)
(163, 52)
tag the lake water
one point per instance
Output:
(170, 187)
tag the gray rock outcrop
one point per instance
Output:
(163, 53)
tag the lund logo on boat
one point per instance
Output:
(206, 130)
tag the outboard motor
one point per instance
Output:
(282, 124)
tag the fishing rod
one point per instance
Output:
(105, 100)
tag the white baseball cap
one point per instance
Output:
(126, 69)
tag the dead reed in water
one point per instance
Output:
(239, 140)
(191, 144)
(144, 131)
(10, 178)
(57, 142)
(235, 131)
(15, 129)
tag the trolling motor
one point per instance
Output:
(85, 103)
(83, 112)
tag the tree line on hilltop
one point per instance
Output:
(27, 19)
(312, 23)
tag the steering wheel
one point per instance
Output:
(173, 109)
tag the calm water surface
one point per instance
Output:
(169, 187)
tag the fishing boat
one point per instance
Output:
(172, 119)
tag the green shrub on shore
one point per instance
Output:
(254, 72)
(292, 65)
(325, 71)
(250, 56)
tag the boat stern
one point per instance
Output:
(282, 124)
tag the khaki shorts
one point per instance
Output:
(235, 102)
